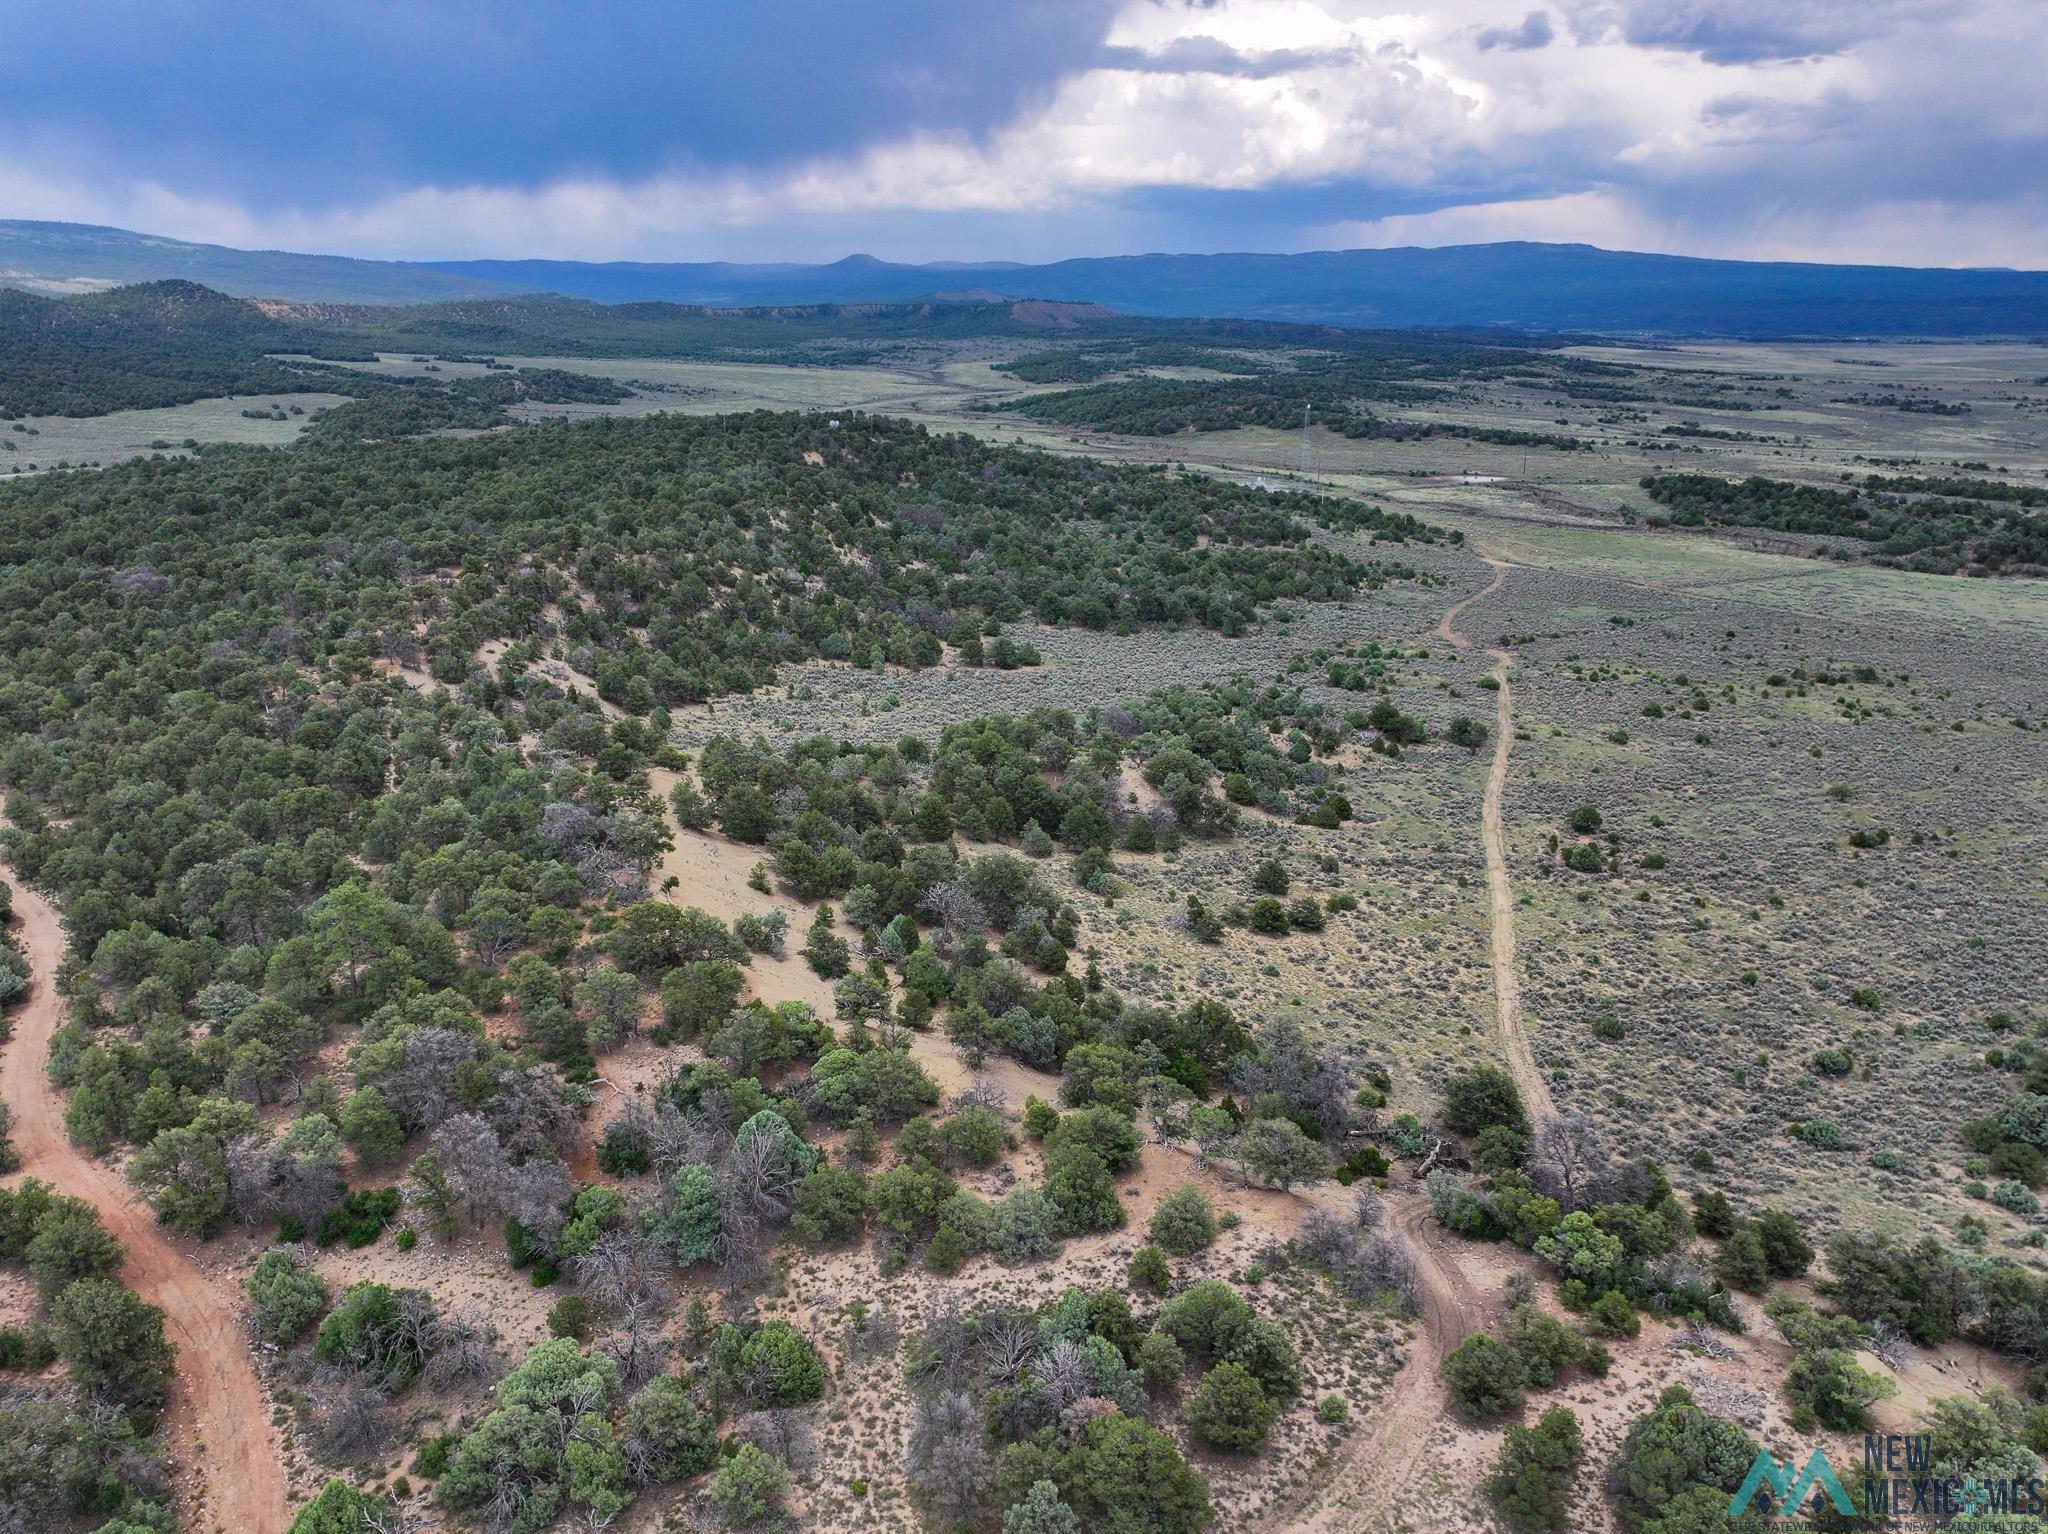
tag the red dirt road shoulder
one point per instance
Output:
(217, 1401)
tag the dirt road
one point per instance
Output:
(1373, 1479)
(1507, 984)
(217, 1407)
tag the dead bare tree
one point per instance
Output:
(784, 1434)
(1698, 1338)
(1064, 1377)
(954, 907)
(1893, 1347)
(529, 1115)
(636, 1342)
(419, 1088)
(352, 1425)
(404, 1515)
(1328, 1092)
(252, 1179)
(1436, 1150)
(1361, 1263)
(1568, 1160)
(872, 1334)
(1006, 1348)
(944, 1348)
(1725, 1398)
(985, 1092)
(307, 1187)
(759, 1176)
(464, 1351)
(623, 1267)
(946, 1453)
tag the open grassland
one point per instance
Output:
(41, 443)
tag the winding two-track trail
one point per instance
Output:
(1369, 1483)
(1368, 1486)
(216, 1395)
(1507, 985)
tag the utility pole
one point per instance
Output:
(1304, 441)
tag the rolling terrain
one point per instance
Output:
(839, 915)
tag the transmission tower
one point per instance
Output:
(1304, 441)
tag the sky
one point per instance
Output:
(1897, 131)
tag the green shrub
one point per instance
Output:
(1229, 1409)
(1678, 1466)
(431, 1462)
(1184, 1221)
(1741, 1263)
(1829, 1387)
(1712, 1214)
(360, 1218)
(285, 1295)
(1613, 1316)
(1531, 1481)
(1485, 1378)
(1832, 1062)
(1148, 1267)
(2015, 1197)
(772, 1364)
(750, 1485)
(1482, 1097)
(1267, 917)
(572, 1316)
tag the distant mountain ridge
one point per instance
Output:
(62, 259)
(1517, 286)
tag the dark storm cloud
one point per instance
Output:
(1207, 55)
(1745, 31)
(312, 103)
(1030, 129)
(1534, 32)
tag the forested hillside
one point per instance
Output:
(167, 343)
(271, 833)
(162, 343)
(680, 558)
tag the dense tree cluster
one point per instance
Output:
(314, 850)
(1049, 1413)
(874, 825)
(674, 558)
(1939, 525)
(88, 1452)
(14, 965)
(1614, 1232)
(165, 343)
(1164, 407)
(1678, 1467)
(566, 1437)
(1282, 372)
